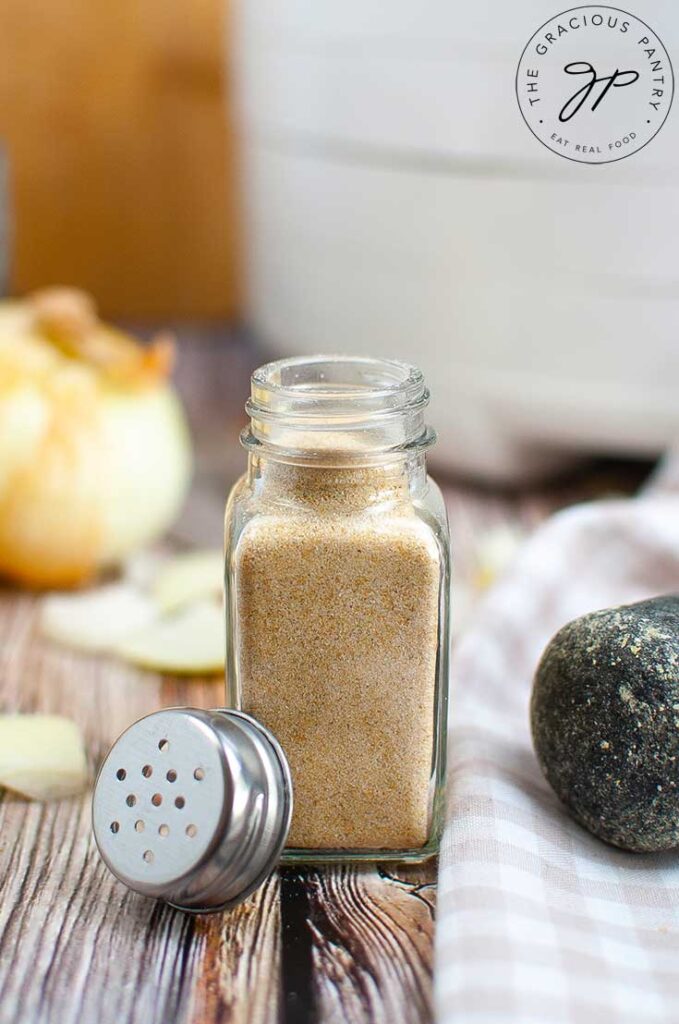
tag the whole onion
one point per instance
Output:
(95, 456)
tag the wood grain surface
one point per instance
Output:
(333, 945)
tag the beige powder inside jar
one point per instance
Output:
(337, 600)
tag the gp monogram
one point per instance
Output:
(594, 84)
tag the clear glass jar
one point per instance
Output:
(337, 587)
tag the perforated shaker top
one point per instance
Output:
(193, 806)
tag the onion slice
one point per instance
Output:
(190, 642)
(189, 577)
(42, 757)
(96, 619)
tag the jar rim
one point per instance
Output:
(394, 376)
(356, 407)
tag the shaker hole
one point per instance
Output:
(191, 831)
(163, 746)
(147, 771)
(179, 802)
(139, 826)
(121, 774)
(115, 825)
(199, 775)
(156, 799)
(164, 830)
(171, 775)
(148, 856)
(131, 800)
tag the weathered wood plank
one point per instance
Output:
(239, 980)
(75, 945)
(372, 933)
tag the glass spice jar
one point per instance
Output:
(337, 597)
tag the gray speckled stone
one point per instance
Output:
(605, 721)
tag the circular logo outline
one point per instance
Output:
(589, 7)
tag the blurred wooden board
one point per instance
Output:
(116, 120)
(340, 945)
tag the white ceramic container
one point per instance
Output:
(396, 204)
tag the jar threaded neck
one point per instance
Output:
(337, 410)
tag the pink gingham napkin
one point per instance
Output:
(538, 921)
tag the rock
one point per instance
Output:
(605, 722)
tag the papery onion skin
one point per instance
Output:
(89, 470)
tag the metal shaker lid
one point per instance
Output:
(193, 807)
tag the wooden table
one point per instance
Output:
(328, 945)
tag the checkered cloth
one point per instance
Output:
(538, 921)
